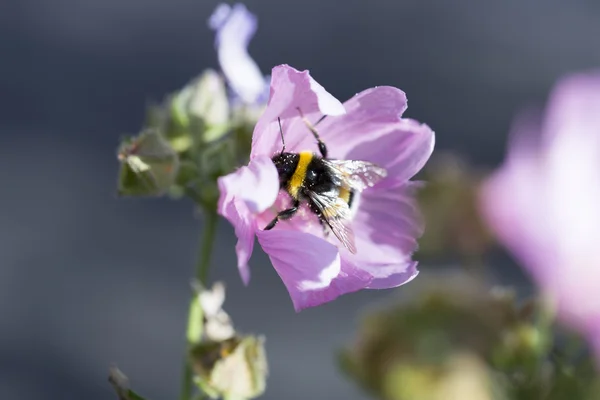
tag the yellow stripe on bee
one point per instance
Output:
(344, 194)
(295, 183)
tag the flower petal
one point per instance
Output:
(211, 300)
(234, 28)
(243, 194)
(291, 90)
(393, 278)
(386, 227)
(574, 107)
(542, 203)
(257, 184)
(509, 201)
(236, 212)
(373, 130)
(571, 196)
(369, 115)
(403, 150)
(306, 264)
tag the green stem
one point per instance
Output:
(202, 266)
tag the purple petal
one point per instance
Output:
(386, 227)
(236, 212)
(548, 185)
(306, 264)
(243, 194)
(574, 107)
(369, 114)
(373, 130)
(395, 275)
(257, 185)
(291, 89)
(403, 150)
(219, 16)
(234, 28)
(542, 203)
(510, 204)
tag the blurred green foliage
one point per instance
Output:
(454, 339)
(448, 202)
(189, 140)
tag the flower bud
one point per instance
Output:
(202, 107)
(149, 165)
(235, 368)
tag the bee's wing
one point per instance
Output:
(357, 175)
(336, 213)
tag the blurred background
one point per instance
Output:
(87, 279)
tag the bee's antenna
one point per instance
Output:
(322, 147)
(320, 120)
(281, 132)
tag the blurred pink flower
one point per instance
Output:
(544, 202)
(234, 27)
(386, 221)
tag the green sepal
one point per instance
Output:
(149, 165)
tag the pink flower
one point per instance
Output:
(386, 222)
(544, 202)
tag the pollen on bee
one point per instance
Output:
(344, 194)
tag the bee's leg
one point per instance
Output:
(322, 147)
(285, 214)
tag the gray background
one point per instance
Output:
(87, 280)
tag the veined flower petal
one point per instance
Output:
(236, 212)
(402, 151)
(386, 226)
(373, 130)
(389, 217)
(306, 264)
(291, 90)
(234, 27)
(369, 114)
(257, 185)
(243, 194)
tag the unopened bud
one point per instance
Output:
(235, 368)
(149, 165)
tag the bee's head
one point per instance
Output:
(285, 164)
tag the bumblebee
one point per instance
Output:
(327, 185)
